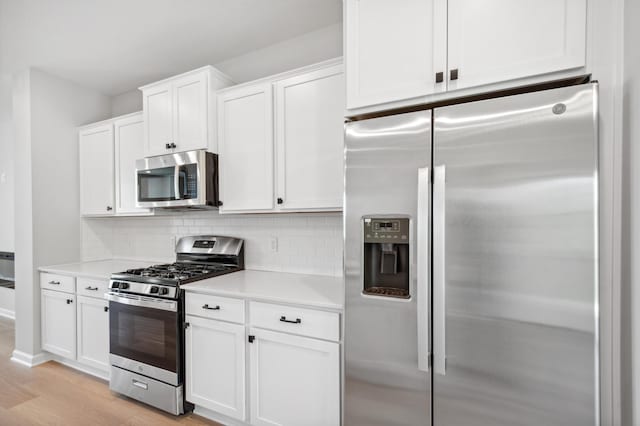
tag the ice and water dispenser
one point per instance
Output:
(386, 251)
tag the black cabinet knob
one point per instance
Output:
(173, 145)
(168, 146)
(69, 301)
(280, 201)
(106, 309)
(453, 75)
(109, 208)
(439, 77)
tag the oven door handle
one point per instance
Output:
(143, 302)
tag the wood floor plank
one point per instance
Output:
(53, 394)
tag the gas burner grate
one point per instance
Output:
(387, 292)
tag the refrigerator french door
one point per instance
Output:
(508, 308)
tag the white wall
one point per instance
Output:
(307, 49)
(46, 112)
(6, 166)
(306, 243)
(630, 292)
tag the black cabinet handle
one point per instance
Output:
(91, 288)
(453, 75)
(206, 306)
(252, 338)
(173, 145)
(54, 282)
(280, 201)
(69, 301)
(284, 319)
(109, 208)
(106, 309)
(439, 77)
(168, 146)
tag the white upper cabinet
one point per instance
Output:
(108, 154)
(303, 169)
(500, 40)
(97, 170)
(129, 147)
(406, 52)
(393, 49)
(309, 140)
(179, 112)
(245, 129)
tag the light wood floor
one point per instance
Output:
(52, 394)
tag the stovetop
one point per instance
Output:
(174, 273)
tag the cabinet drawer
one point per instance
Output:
(216, 307)
(57, 282)
(92, 287)
(291, 319)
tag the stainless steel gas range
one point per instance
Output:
(146, 319)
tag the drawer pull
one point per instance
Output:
(54, 282)
(69, 301)
(140, 384)
(91, 288)
(206, 306)
(284, 319)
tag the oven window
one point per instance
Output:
(157, 184)
(145, 335)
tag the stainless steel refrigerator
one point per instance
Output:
(471, 261)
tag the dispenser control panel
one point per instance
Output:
(386, 230)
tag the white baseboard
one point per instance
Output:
(28, 359)
(104, 375)
(7, 313)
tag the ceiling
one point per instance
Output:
(116, 45)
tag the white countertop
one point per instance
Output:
(98, 269)
(309, 290)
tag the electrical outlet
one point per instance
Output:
(273, 244)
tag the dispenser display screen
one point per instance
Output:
(392, 226)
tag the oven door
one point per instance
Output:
(145, 336)
(172, 180)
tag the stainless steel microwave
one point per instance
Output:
(184, 179)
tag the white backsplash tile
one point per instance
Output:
(306, 243)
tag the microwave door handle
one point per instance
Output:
(176, 182)
(423, 274)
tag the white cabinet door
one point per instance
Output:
(499, 40)
(294, 380)
(309, 140)
(215, 366)
(93, 332)
(96, 170)
(190, 113)
(394, 49)
(245, 141)
(129, 147)
(158, 119)
(58, 323)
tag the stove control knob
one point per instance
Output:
(124, 286)
(164, 291)
(154, 289)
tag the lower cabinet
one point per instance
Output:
(215, 366)
(75, 321)
(293, 380)
(286, 358)
(93, 332)
(59, 323)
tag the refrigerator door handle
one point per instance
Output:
(422, 263)
(439, 279)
